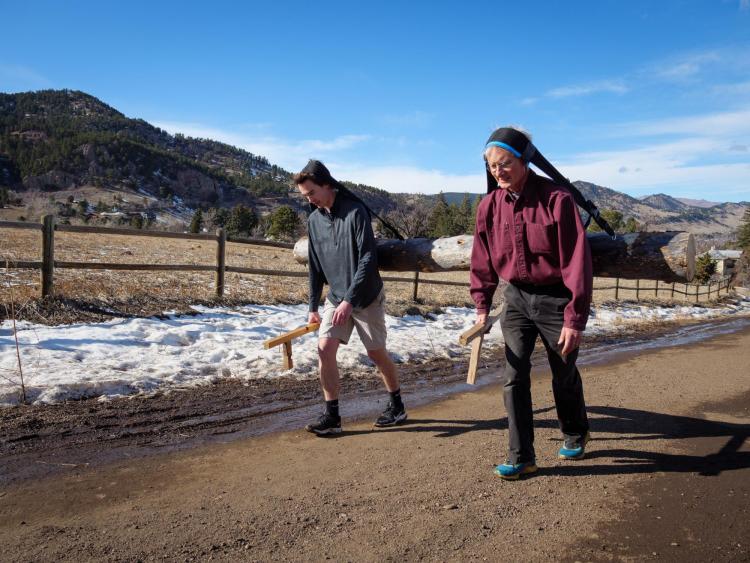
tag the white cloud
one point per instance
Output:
(679, 167)
(291, 155)
(611, 86)
(710, 124)
(412, 179)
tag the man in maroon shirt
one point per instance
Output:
(528, 232)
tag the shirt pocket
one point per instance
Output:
(541, 238)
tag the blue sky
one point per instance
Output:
(640, 96)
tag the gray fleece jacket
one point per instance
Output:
(342, 253)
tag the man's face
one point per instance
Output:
(319, 196)
(509, 171)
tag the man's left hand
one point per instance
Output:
(570, 339)
(342, 313)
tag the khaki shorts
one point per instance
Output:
(370, 323)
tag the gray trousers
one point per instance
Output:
(529, 312)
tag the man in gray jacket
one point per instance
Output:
(342, 253)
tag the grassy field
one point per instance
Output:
(111, 287)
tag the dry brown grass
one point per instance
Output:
(115, 288)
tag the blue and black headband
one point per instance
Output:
(512, 141)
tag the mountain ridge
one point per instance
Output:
(61, 140)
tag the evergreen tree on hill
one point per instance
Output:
(474, 207)
(196, 224)
(705, 267)
(283, 223)
(242, 220)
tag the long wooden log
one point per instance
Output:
(667, 256)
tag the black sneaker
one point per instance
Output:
(391, 416)
(326, 424)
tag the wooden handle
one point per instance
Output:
(291, 335)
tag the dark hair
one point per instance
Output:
(302, 177)
(316, 172)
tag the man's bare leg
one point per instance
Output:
(328, 368)
(386, 367)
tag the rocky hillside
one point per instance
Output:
(66, 144)
(661, 212)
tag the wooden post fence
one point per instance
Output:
(48, 255)
(416, 286)
(637, 289)
(221, 261)
(617, 288)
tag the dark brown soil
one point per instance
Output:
(668, 464)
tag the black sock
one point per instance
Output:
(332, 408)
(396, 398)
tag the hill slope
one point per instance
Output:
(71, 142)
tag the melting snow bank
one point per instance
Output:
(125, 357)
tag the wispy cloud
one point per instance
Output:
(684, 167)
(700, 155)
(744, 5)
(22, 77)
(687, 67)
(291, 155)
(711, 124)
(608, 86)
(409, 179)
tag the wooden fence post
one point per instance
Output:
(637, 289)
(672, 296)
(416, 286)
(221, 261)
(697, 298)
(656, 289)
(617, 288)
(48, 255)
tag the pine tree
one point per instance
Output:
(219, 217)
(439, 217)
(630, 226)
(283, 223)
(465, 218)
(743, 233)
(196, 224)
(474, 207)
(705, 267)
(242, 220)
(611, 216)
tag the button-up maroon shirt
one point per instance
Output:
(536, 239)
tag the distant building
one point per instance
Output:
(726, 260)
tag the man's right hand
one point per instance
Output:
(313, 317)
(481, 318)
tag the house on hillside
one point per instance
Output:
(726, 260)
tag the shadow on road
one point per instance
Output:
(608, 425)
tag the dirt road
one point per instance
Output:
(667, 477)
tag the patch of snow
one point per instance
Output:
(129, 356)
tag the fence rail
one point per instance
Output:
(48, 264)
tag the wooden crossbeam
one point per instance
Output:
(285, 340)
(475, 336)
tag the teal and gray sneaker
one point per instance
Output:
(573, 450)
(513, 471)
